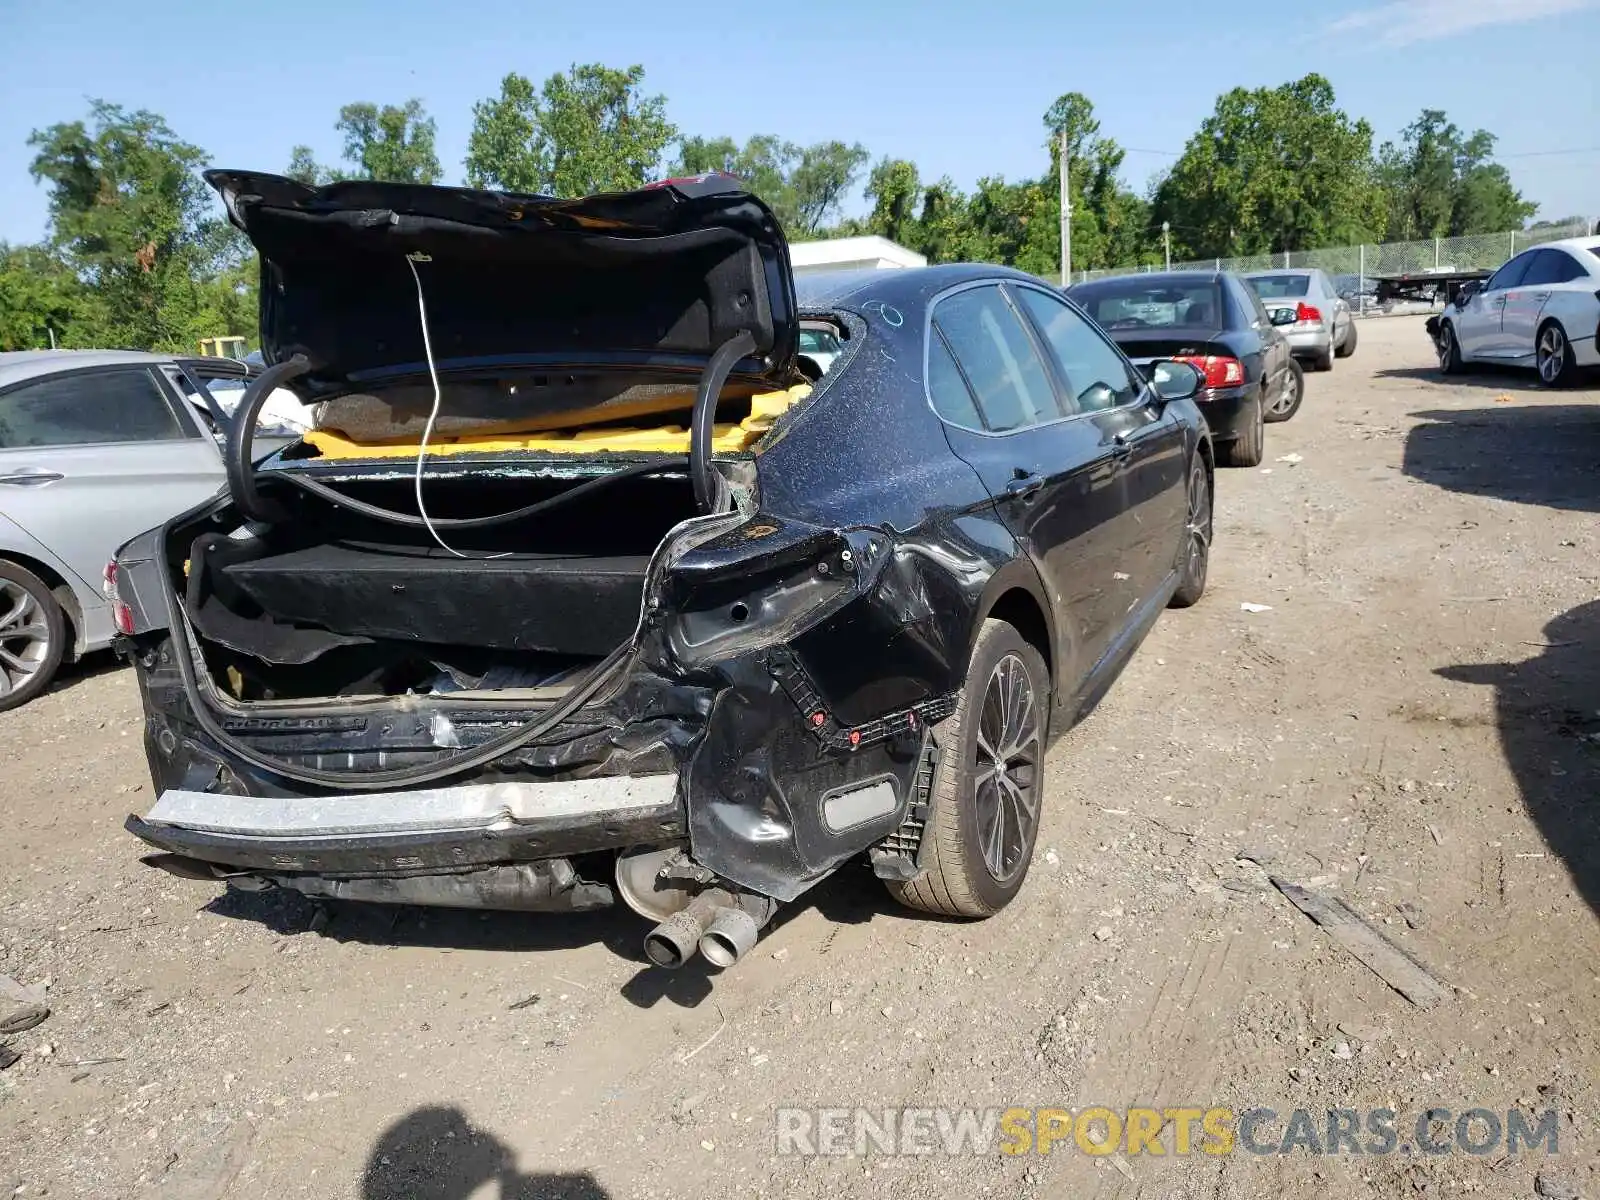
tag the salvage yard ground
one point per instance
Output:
(1412, 724)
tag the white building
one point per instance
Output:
(851, 254)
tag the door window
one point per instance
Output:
(998, 358)
(86, 408)
(1509, 275)
(952, 399)
(1096, 375)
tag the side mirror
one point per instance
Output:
(1283, 316)
(1172, 380)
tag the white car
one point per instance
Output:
(1540, 309)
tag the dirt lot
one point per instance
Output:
(1414, 725)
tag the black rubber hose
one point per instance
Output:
(702, 425)
(389, 516)
(547, 720)
(241, 436)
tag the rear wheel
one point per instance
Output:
(1324, 361)
(983, 816)
(1449, 350)
(1196, 538)
(33, 635)
(1348, 346)
(1290, 392)
(1553, 356)
(1250, 446)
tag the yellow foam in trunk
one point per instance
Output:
(765, 408)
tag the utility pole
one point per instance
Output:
(1066, 216)
(1166, 241)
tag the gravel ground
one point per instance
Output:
(1413, 725)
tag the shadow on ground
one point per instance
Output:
(436, 1153)
(91, 666)
(1547, 709)
(1545, 454)
(1488, 377)
(851, 896)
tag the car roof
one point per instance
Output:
(18, 365)
(1591, 244)
(902, 286)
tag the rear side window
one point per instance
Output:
(1552, 266)
(952, 399)
(87, 408)
(1279, 287)
(998, 358)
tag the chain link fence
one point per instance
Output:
(1475, 252)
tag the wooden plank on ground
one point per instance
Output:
(1347, 927)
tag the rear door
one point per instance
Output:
(1334, 309)
(1526, 301)
(1152, 497)
(1054, 478)
(89, 458)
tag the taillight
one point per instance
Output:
(121, 614)
(1307, 312)
(1218, 370)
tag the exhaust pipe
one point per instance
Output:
(719, 924)
(729, 937)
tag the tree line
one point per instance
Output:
(139, 255)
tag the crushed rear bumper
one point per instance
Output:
(422, 830)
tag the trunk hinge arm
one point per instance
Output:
(702, 425)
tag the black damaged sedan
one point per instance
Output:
(590, 582)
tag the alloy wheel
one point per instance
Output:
(1446, 349)
(24, 636)
(1199, 523)
(1552, 354)
(1006, 792)
(1288, 395)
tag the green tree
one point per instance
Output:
(131, 217)
(41, 300)
(1440, 182)
(303, 167)
(894, 189)
(820, 180)
(389, 143)
(804, 185)
(506, 148)
(589, 130)
(1272, 169)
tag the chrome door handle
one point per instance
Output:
(1024, 485)
(30, 478)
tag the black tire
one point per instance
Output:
(1248, 449)
(1195, 558)
(28, 613)
(958, 880)
(1449, 350)
(1288, 402)
(1553, 356)
(1348, 346)
(1323, 362)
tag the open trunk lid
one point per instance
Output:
(657, 278)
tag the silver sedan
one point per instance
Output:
(1323, 328)
(95, 447)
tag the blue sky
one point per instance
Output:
(959, 88)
